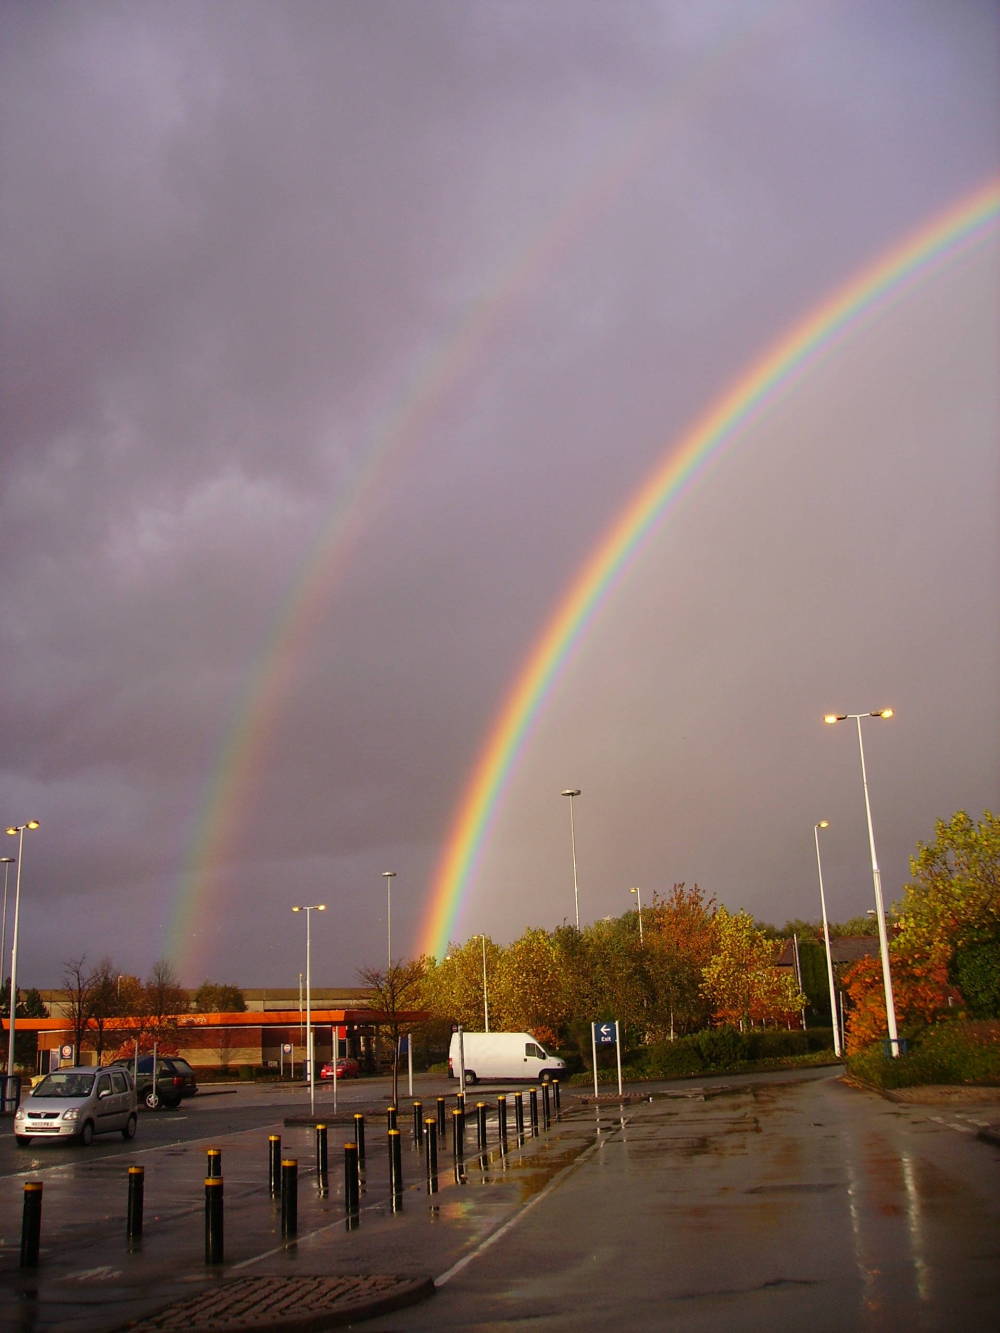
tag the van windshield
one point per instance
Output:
(65, 1085)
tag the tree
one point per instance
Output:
(741, 978)
(215, 997)
(950, 913)
(396, 993)
(154, 1008)
(80, 986)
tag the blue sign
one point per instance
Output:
(604, 1034)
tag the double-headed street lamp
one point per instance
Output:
(316, 907)
(572, 792)
(825, 823)
(16, 831)
(883, 938)
(638, 903)
(388, 876)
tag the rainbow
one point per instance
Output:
(919, 253)
(436, 372)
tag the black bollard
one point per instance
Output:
(481, 1125)
(351, 1187)
(442, 1119)
(546, 1111)
(322, 1161)
(213, 1220)
(274, 1164)
(502, 1121)
(458, 1135)
(395, 1168)
(390, 1118)
(213, 1161)
(431, 1154)
(533, 1109)
(418, 1122)
(519, 1117)
(133, 1226)
(359, 1135)
(289, 1198)
(557, 1096)
(31, 1223)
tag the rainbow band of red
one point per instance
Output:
(921, 252)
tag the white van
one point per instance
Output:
(502, 1056)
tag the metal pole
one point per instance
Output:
(883, 938)
(388, 876)
(19, 830)
(486, 1003)
(573, 792)
(825, 823)
(309, 1023)
(638, 903)
(7, 862)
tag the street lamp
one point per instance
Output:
(883, 938)
(486, 1002)
(638, 903)
(6, 862)
(316, 907)
(15, 831)
(825, 823)
(571, 792)
(388, 876)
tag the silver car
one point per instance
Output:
(78, 1103)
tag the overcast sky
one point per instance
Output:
(336, 334)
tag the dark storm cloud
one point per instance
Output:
(239, 241)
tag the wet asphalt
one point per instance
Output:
(741, 1204)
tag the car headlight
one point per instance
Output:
(19, 1113)
(72, 1113)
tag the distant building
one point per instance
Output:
(271, 1034)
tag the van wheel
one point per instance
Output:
(151, 1099)
(470, 1077)
(87, 1134)
(128, 1129)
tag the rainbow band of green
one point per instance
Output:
(920, 252)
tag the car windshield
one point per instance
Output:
(65, 1085)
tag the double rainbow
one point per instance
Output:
(920, 253)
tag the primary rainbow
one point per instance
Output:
(918, 253)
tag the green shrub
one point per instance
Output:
(952, 1051)
(772, 1043)
(721, 1048)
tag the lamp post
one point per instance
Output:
(638, 903)
(486, 1002)
(825, 823)
(316, 907)
(572, 792)
(16, 830)
(883, 938)
(388, 876)
(6, 862)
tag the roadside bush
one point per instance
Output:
(721, 1048)
(772, 1043)
(954, 1052)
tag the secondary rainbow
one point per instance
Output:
(920, 252)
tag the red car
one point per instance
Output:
(346, 1068)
